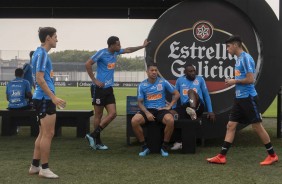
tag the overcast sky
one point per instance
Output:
(80, 34)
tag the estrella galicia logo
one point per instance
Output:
(202, 30)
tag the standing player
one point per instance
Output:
(44, 101)
(152, 103)
(245, 108)
(102, 88)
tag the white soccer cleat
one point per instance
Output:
(191, 112)
(176, 146)
(47, 173)
(33, 169)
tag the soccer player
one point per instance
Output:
(28, 71)
(44, 101)
(18, 91)
(152, 103)
(102, 88)
(245, 108)
(194, 99)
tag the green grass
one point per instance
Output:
(78, 98)
(75, 163)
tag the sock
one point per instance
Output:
(96, 132)
(165, 145)
(35, 162)
(98, 139)
(225, 147)
(45, 166)
(269, 149)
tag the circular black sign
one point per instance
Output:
(195, 32)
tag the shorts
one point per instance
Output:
(102, 96)
(43, 107)
(159, 114)
(246, 110)
(182, 114)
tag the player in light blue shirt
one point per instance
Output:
(44, 102)
(102, 88)
(152, 103)
(245, 109)
(18, 91)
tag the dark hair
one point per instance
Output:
(30, 54)
(151, 64)
(188, 65)
(19, 72)
(112, 40)
(234, 38)
(43, 32)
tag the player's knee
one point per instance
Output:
(230, 127)
(136, 121)
(113, 115)
(168, 120)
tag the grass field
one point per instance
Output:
(78, 98)
(75, 163)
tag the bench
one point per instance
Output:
(154, 131)
(68, 118)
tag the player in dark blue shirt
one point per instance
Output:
(102, 88)
(245, 108)
(152, 103)
(18, 92)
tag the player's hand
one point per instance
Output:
(60, 103)
(150, 116)
(98, 83)
(211, 116)
(230, 82)
(146, 42)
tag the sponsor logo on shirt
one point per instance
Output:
(196, 82)
(111, 66)
(154, 96)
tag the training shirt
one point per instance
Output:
(41, 62)
(153, 95)
(198, 85)
(106, 62)
(244, 64)
(16, 91)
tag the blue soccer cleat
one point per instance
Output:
(164, 152)
(144, 152)
(91, 141)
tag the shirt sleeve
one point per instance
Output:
(168, 86)
(41, 62)
(97, 56)
(140, 94)
(247, 64)
(27, 88)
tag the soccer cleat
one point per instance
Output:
(218, 159)
(191, 112)
(33, 169)
(91, 141)
(176, 146)
(164, 152)
(144, 152)
(47, 173)
(101, 147)
(269, 160)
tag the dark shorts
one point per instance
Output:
(43, 107)
(102, 96)
(246, 110)
(182, 114)
(159, 114)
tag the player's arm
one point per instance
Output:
(249, 79)
(142, 107)
(42, 83)
(28, 93)
(133, 49)
(88, 66)
(207, 99)
(175, 97)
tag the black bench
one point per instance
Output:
(154, 131)
(68, 118)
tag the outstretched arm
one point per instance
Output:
(133, 49)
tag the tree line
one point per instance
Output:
(81, 56)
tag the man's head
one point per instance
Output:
(234, 44)
(114, 44)
(48, 35)
(190, 72)
(152, 71)
(19, 72)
